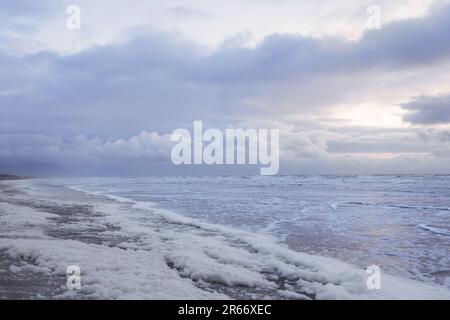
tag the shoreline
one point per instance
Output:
(56, 229)
(4, 176)
(19, 282)
(16, 282)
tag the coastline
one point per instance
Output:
(127, 248)
(16, 282)
(4, 176)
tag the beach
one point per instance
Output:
(140, 249)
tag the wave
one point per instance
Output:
(435, 230)
(154, 253)
(335, 205)
(218, 254)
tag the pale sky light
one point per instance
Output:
(207, 22)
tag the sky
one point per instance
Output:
(104, 99)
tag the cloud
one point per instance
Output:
(161, 81)
(282, 57)
(428, 110)
(53, 155)
(23, 15)
(147, 146)
(187, 12)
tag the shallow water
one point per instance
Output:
(401, 223)
(238, 237)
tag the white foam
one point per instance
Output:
(435, 230)
(109, 273)
(334, 205)
(22, 221)
(164, 255)
(218, 257)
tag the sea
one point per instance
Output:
(230, 237)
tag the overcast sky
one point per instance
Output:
(103, 100)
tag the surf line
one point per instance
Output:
(236, 146)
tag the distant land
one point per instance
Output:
(10, 177)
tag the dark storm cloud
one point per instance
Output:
(112, 91)
(428, 110)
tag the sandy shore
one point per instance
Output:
(25, 285)
(16, 280)
(14, 283)
(127, 249)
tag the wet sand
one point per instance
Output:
(16, 284)
(22, 284)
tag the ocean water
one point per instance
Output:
(295, 237)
